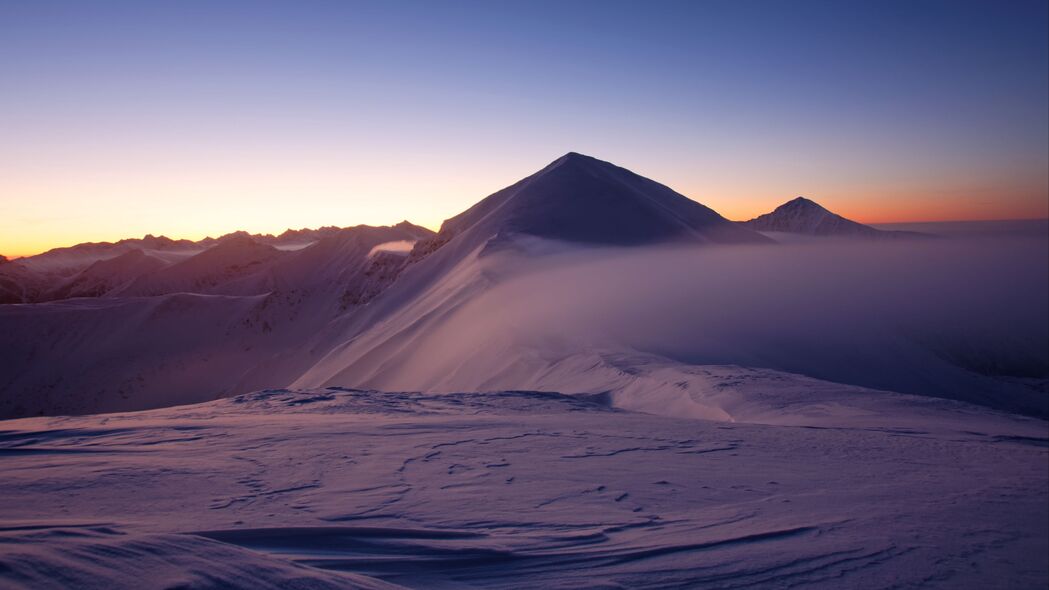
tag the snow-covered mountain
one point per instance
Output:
(574, 202)
(108, 275)
(241, 330)
(228, 260)
(807, 217)
(537, 315)
(454, 320)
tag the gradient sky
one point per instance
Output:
(199, 118)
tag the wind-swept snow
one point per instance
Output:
(59, 556)
(513, 490)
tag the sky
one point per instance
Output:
(189, 119)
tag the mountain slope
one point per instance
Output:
(106, 275)
(642, 325)
(111, 353)
(803, 216)
(203, 273)
(19, 284)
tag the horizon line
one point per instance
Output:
(14, 257)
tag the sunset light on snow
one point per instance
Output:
(516, 295)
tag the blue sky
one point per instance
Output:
(189, 118)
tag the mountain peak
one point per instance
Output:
(574, 159)
(578, 157)
(579, 198)
(800, 201)
(237, 236)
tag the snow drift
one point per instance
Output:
(337, 488)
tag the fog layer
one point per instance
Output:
(925, 316)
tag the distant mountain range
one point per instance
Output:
(237, 263)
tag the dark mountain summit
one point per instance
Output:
(577, 198)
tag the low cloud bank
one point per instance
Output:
(397, 247)
(912, 316)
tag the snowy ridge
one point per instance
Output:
(519, 317)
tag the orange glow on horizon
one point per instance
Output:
(896, 206)
(43, 244)
(857, 208)
(106, 199)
